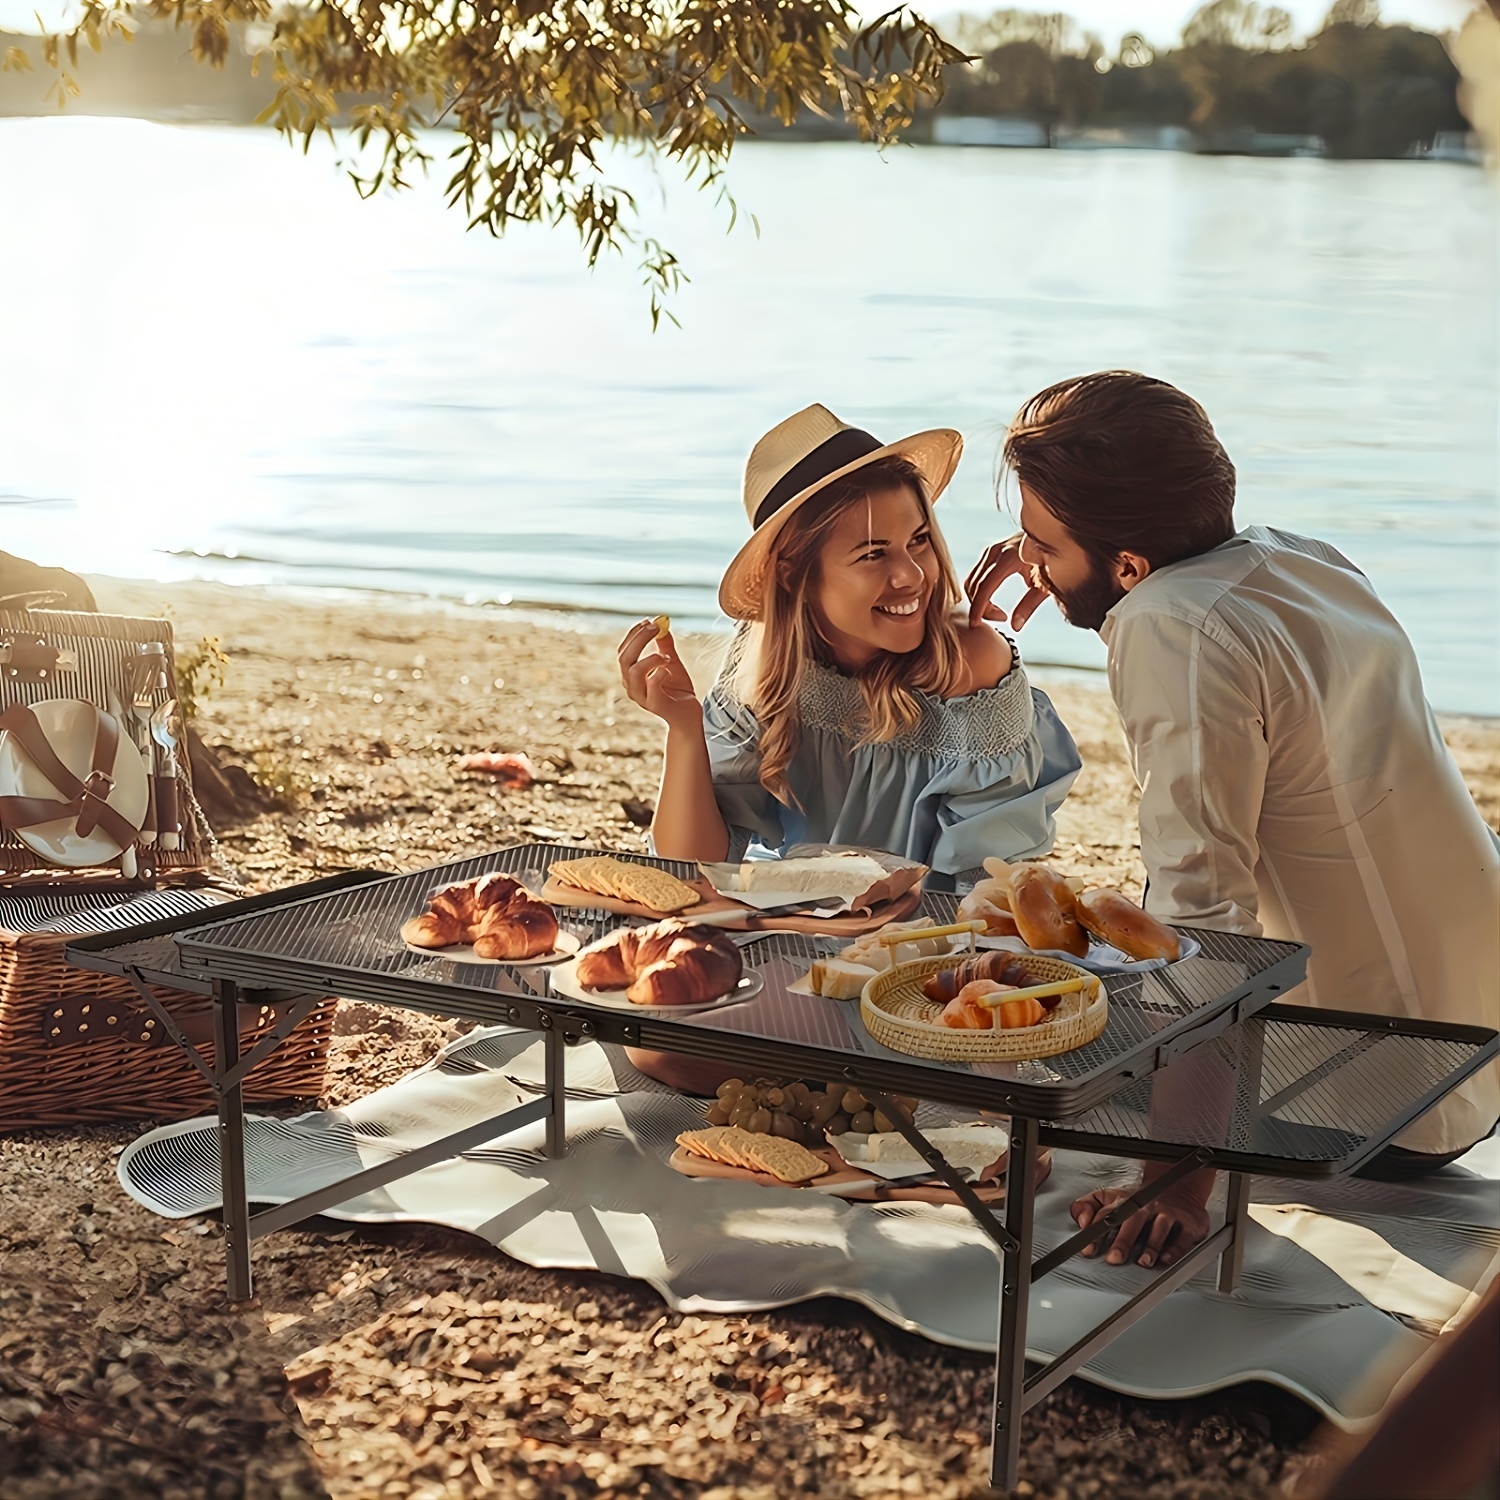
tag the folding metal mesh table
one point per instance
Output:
(1257, 1086)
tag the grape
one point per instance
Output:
(759, 1123)
(862, 1123)
(854, 1102)
(742, 1116)
(825, 1108)
(728, 1087)
(908, 1102)
(784, 1126)
(718, 1115)
(798, 1092)
(773, 1098)
(802, 1109)
(838, 1125)
(882, 1123)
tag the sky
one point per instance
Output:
(1159, 21)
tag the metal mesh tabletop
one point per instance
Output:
(1294, 1091)
(348, 942)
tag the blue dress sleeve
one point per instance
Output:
(1006, 806)
(751, 813)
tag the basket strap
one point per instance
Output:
(85, 801)
(79, 1020)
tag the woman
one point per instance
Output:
(854, 706)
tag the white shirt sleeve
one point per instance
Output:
(1192, 713)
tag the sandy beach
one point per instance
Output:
(122, 1372)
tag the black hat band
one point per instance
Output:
(832, 454)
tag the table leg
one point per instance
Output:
(1237, 1215)
(1015, 1301)
(231, 1139)
(1242, 1138)
(556, 1068)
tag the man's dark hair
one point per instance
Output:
(1127, 464)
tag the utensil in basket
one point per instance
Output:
(898, 1015)
(162, 720)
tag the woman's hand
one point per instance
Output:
(656, 679)
(1000, 562)
(1163, 1231)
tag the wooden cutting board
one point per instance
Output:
(851, 925)
(684, 1161)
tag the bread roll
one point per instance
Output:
(1043, 906)
(1118, 921)
(998, 922)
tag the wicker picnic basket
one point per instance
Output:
(78, 1046)
(899, 1016)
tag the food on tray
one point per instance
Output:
(667, 963)
(844, 976)
(989, 902)
(983, 1006)
(799, 1111)
(759, 1153)
(975, 1147)
(995, 964)
(498, 916)
(1041, 902)
(847, 875)
(623, 880)
(1051, 912)
(1118, 921)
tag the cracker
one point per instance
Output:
(709, 1143)
(575, 872)
(648, 886)
(785, 1159)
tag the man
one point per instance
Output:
(1293, 780)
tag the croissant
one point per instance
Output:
(435, 930)
(996, 965)
(498, 915)
(524, 929)
(667, 963)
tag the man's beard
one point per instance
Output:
(1086, 605)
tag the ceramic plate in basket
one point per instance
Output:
(1101, 958)
(463, 953)
(565, 982)
(71, 727)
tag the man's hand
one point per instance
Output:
(1163, 1231)
(1000, 562)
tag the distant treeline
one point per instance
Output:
(1363, 88)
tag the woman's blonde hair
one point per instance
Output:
(789, 634)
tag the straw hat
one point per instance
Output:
(796, 459)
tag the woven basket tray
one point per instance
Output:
(899, 1016)
(80, 1048)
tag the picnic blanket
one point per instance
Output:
(1345, 1282)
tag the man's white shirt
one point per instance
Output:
(1294, 784)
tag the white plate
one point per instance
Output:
(1101, 958)
(565, 982)
(71, 726)
(463, 953)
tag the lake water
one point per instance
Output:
(219, 362)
